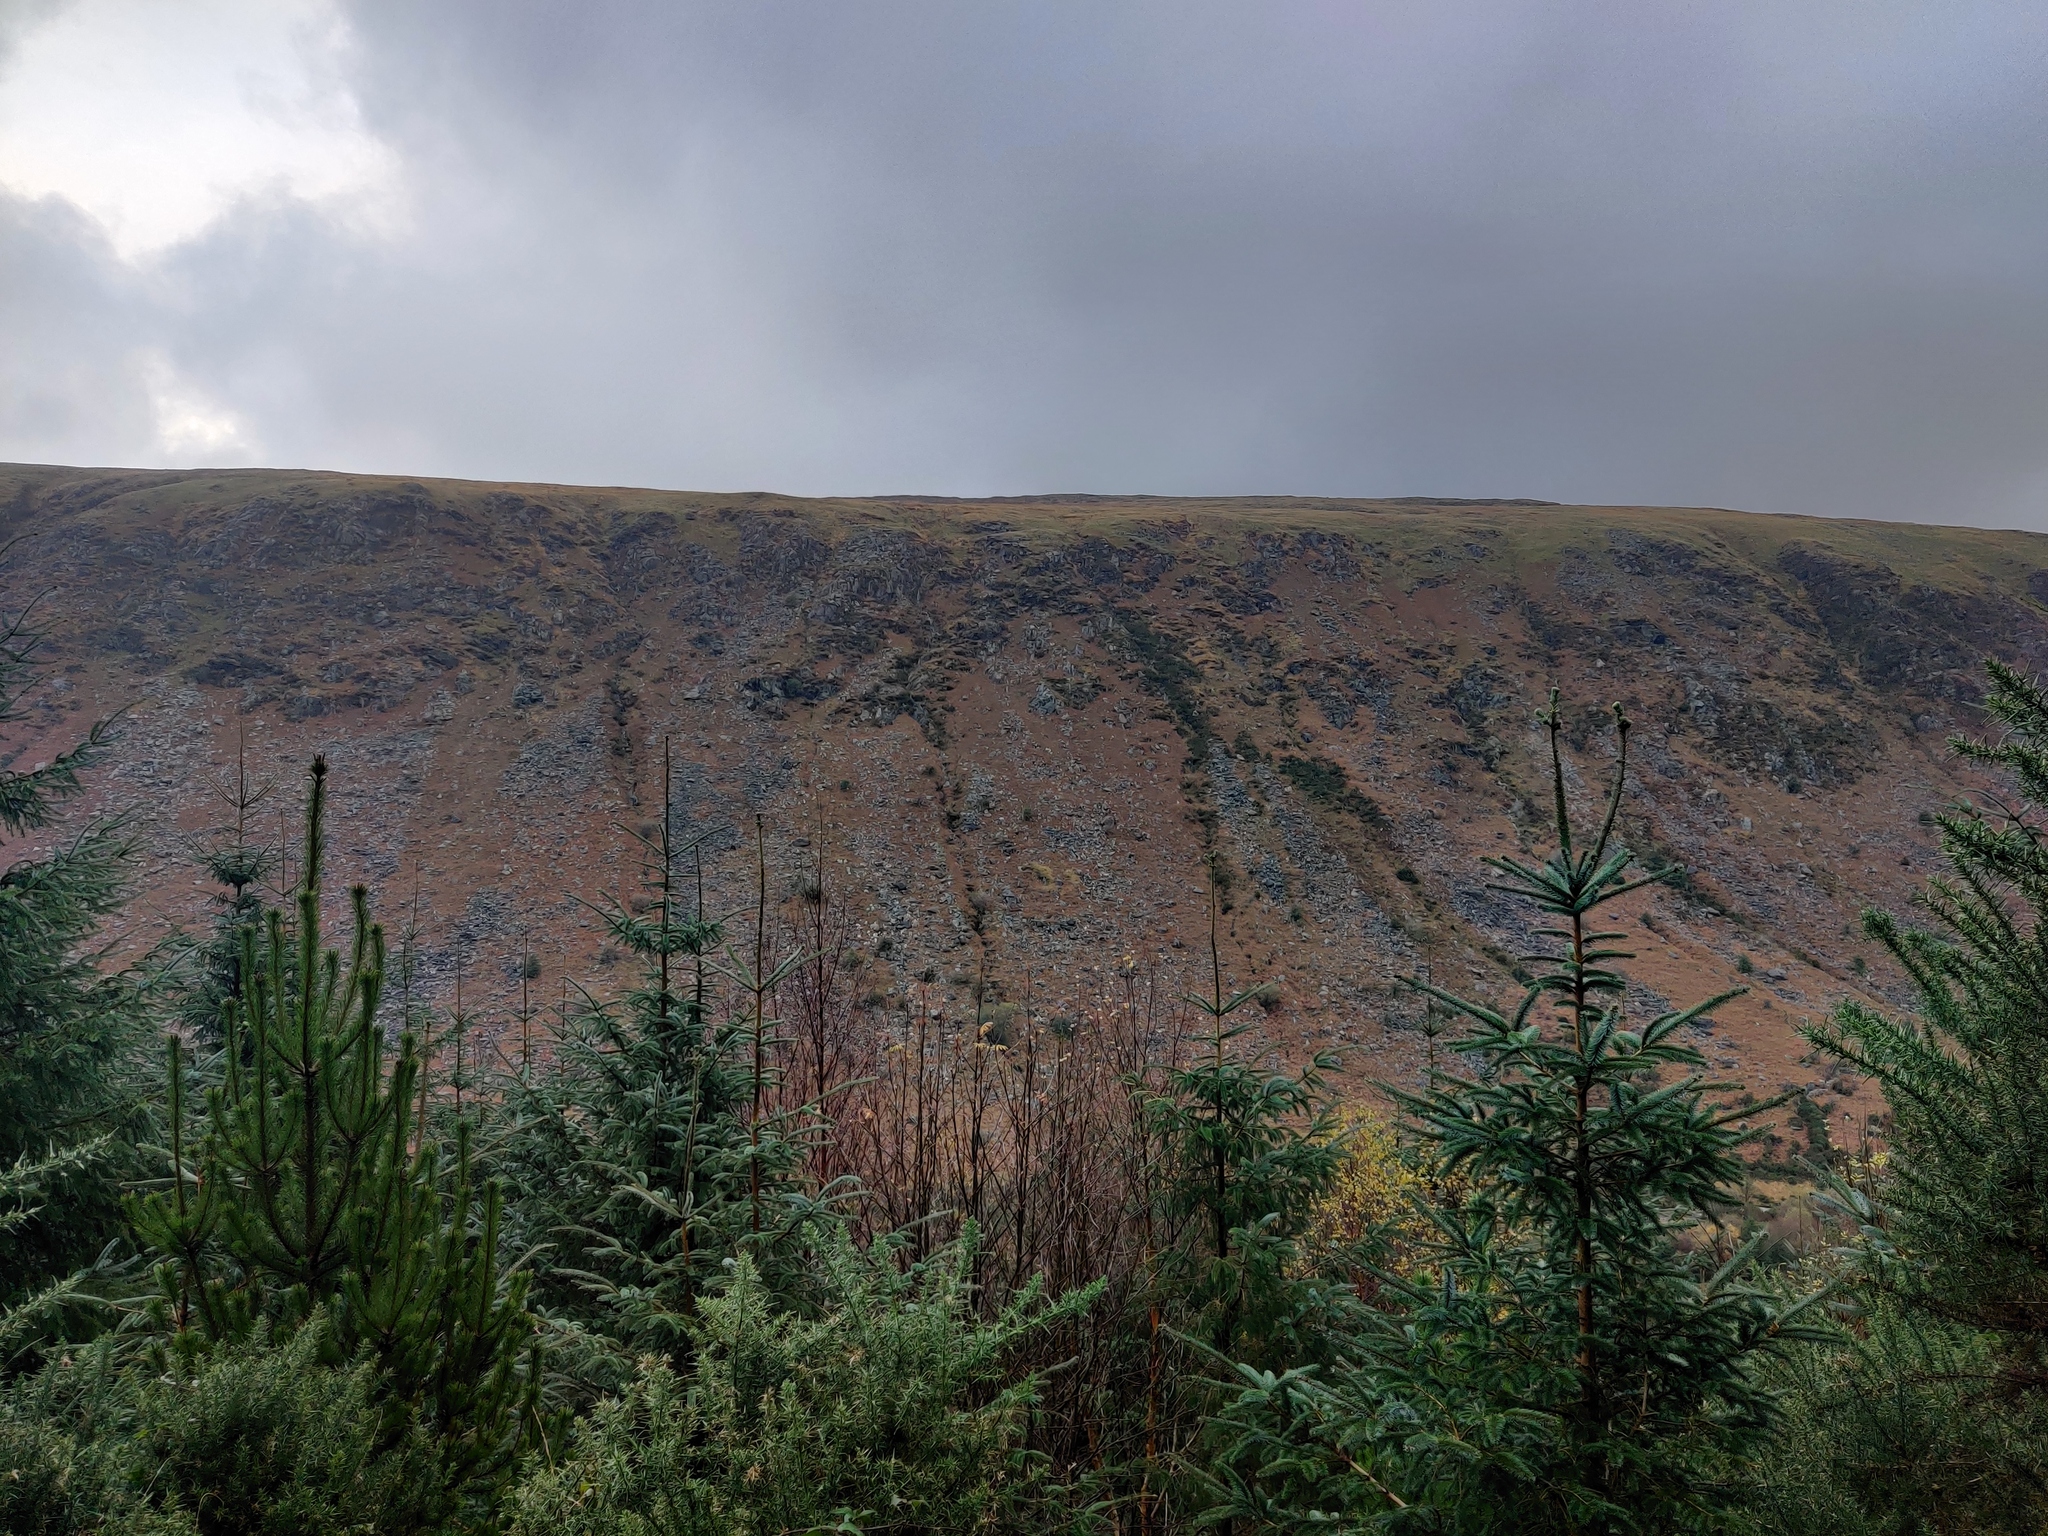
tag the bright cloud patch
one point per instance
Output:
(155, 119)
(192, 428)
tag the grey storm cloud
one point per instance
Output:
(1785, 257)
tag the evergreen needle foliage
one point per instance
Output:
(1905, 1424)
(262, 1438)
(74, 1069)
(886, 1407)
(1966, 1196)
(211, 970)
(1580, 1360)
(1955, 1251)
(312, 1187)
(1208, 1299)
(267, 1438)
(638, 1156)
(1246, 1157)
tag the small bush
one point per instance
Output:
(1377, 1205)
(886, 1408)
(43, 1489)
(265, 1439)
(1327, 783)
(254, 1439)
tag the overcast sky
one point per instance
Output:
(1788, 255)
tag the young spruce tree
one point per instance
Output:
(1246, 1156)
(212, 967)
(1578, 1361)
(636, 1155)
(1239, 1158)
(1955, 1257)
(73, 1038)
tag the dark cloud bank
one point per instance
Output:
(1788, 257)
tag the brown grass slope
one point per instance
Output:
(1011, 730)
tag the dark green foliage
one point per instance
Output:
(73, 1306)
(254, 1440)
(312, 1186)
(1234, 1161)
(62, 1433)
(1813, 1120)
(1904, 1426)
(645, 1154)
(73, 1055)
(886, 1407)
(238, 912)
(1326, 783)
(211, 977)
(1960, 1227)
(1571, 1365)
(38, 1471)
(1244, 1157)
(627, 1156)
(1165, 671)
(1967, 1080)
(273, 1441)
(339, 1341)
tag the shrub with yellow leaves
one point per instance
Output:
(1377, 1205)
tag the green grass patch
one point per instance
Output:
(1326, 783)
(1165, 671)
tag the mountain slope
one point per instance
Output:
(1018, 725)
